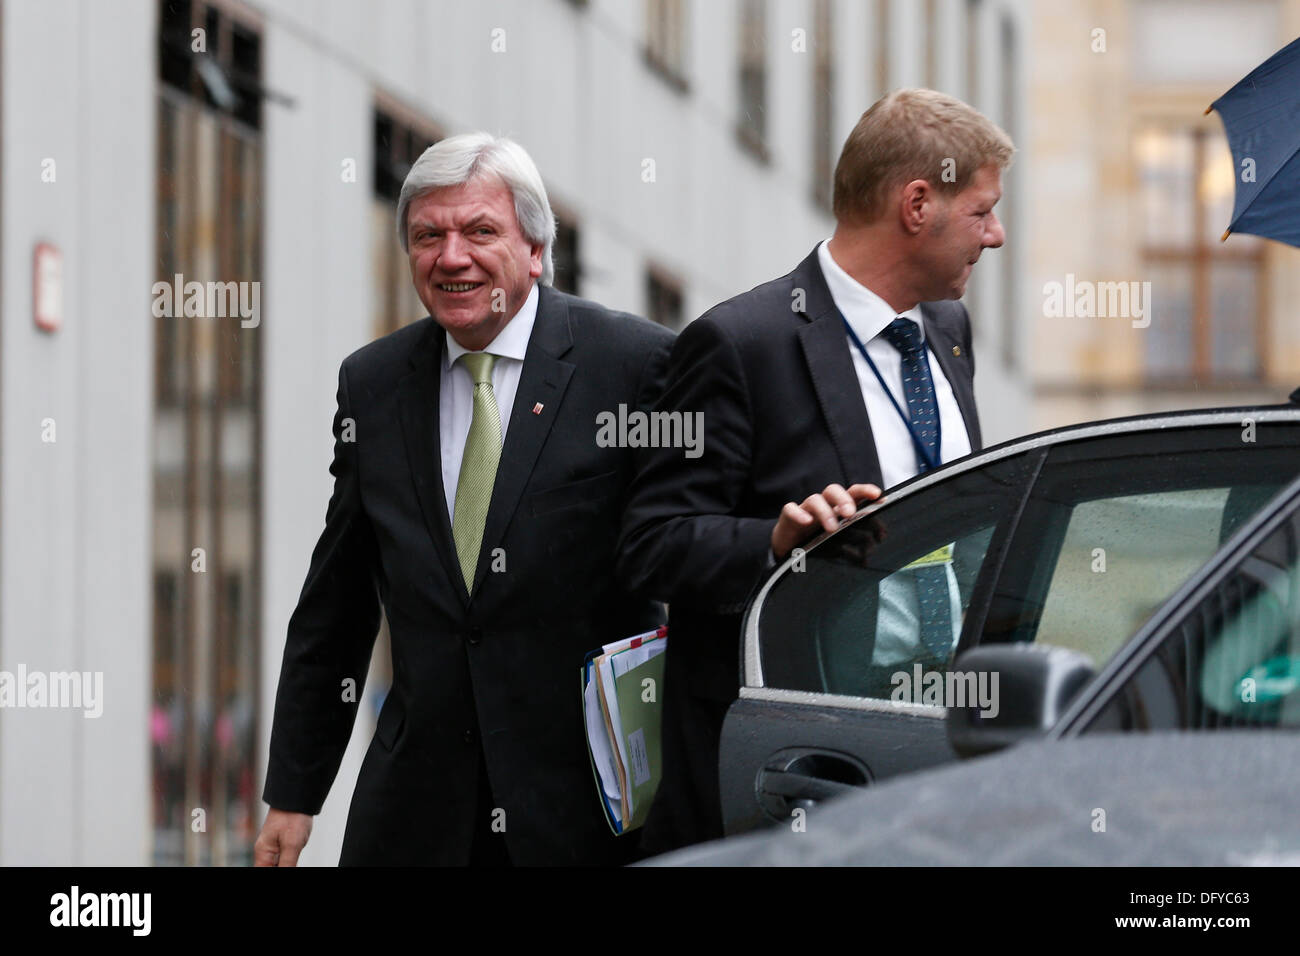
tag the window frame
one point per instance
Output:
(1199, 256)
(753, 62)
(201, 645)
(1023, 470)
(666, 49)
(405, 129)
(824, 154)
(660, 283)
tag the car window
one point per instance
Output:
(1074, 545)
(1115, 525)
(1233, 660)
(890, 591)
(1122, 558)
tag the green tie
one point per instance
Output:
(478, 466)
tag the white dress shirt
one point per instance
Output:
(456, 390)
(868, 315)
(898, 624)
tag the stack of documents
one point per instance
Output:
(622, 686)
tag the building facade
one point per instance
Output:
(1132, 190)
(164, 449)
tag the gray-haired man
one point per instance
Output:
(472, 500)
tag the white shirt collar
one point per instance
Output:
(867, 313)
(511, 341)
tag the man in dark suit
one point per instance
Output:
(474, 502)
(854, 368)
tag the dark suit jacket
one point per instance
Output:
(783, 418)
(492, 676)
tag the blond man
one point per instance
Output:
(848, 375)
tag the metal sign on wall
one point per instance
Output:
(47, 287)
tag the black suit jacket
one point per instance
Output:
(783, 418)
(490, 676)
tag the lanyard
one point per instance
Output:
(926, 461)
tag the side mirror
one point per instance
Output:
(1030, 685)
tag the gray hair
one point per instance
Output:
(458, 159)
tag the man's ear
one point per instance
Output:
(535, 261)
(916, 205)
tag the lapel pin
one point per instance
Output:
(537, 409)
(956, 350)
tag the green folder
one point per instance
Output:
(640, 715)
(641, 733)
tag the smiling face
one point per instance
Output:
(963, 228)
(470, 262)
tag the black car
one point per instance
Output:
(1093, 548)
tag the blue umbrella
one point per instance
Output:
(1261, 116)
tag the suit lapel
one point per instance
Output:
(942, 341)
(419, 412)
(834, 380)
(543, 379)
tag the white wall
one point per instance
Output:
(75, 588)
(317, 308)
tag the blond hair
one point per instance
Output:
(913, 134)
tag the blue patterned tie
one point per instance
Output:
(923, 411)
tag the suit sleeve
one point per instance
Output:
(650, 385)
(681, 541)
(330, 638)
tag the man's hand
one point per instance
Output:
(799, 522)
(283, 836)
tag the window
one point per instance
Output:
(565, 256)
(397, 145)
(664, 299)
(823, 166)
(665, 47)
(751, 123)
(207, 448)
(1115, 525)
(853, 617)
(1233, 660)
(1207, 321)
(1121, 558)
(219, 66)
